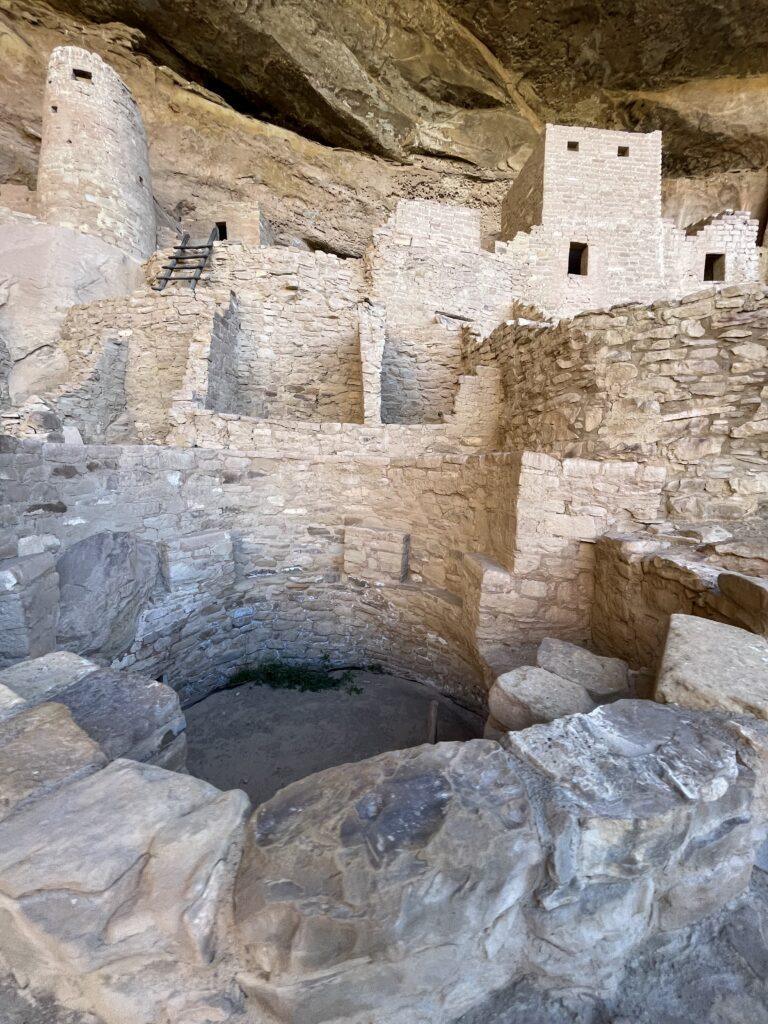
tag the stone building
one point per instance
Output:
(381, 462)
(584, 229)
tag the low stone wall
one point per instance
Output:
(640, 581)
(129, 359)
(681, 383)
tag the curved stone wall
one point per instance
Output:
(187, 563)
(93, 174)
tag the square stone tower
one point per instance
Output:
(584, 219)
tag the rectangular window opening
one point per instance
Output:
(623, 151)
(573, 147)
(222, 227)
(714, 266)
(86, 76)
(54, 110)
(578, 259)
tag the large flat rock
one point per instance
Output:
(128, 715)
(41, 749)
(39, 679)
(710, 664)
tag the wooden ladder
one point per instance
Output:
(187, 262)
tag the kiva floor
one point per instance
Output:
(260, 739)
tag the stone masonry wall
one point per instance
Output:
(602, 189)
(298, 345)
(428, 273)
(253, 560)
(682, 383)
(640, 581)
(93, 174)
(127, 362)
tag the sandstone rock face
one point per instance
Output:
(458, 94)
(43, 271)
(529, 695)
(40, 750)
(713, 665)
(602, 677)
(113, 893)
(358, 893)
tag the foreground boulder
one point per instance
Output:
(112, 892)
(601, 677)
(710, 664)
(391, 889)
(403, 889)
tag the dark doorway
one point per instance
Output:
(578, 258)
(222, 226)
(714, 266)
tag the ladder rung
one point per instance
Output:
(172, 266)
(183, 248)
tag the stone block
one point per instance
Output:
(528, 695)
(713, 665)
(601, 677)
(376, 554)
(41, 749)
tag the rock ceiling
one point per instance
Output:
(382, 98)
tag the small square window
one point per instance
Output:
(578, 259)
(54, 109)
(573, 147)
(714, 266)
(623, 150)
(86, 76)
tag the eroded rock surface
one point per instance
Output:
(113, 893)
(356, 889)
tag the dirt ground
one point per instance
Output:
(259, 739)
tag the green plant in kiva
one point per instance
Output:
(307, 678)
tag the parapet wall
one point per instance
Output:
(681, 383)
(93, 174)
(640, 581)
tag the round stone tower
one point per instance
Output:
(94, 165)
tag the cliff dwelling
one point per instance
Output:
(384, 581)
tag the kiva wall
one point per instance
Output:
(188, 563)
